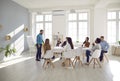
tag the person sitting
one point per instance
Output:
(58, 42)
(68, 45)
(86, 43)
(46, 46)
(95, 47)
(105, 47)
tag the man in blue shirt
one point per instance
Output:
(39, 41)
(104, 46)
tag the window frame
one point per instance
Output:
(117, 20)
(43, 22)
(77, 21)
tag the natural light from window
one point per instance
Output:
(44, 21)
(113, 26)
(78, 26)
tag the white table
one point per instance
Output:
(58, 50)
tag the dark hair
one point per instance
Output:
(98, 40)
(41, 30)
(87, 38)
(102, 37)
(47, 41)
(63, 44)
(70, 42)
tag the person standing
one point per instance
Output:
(39, 41)
(104, 46)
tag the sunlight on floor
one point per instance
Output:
(18, 60)
(115, 70)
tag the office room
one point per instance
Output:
(59, 40)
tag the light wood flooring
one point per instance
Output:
(31, 70)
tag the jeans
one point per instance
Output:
(38, 54)
(88, 54)
(101, 55)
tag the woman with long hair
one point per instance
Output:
(69, 44)
(46, 46)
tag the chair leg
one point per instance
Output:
(106, 56)
(94, 62)
(66, 62)
(91, 60)
(74, 59)
(80, 62)
(98, 62)
(44, 63)
(51, 63)
(71, 63)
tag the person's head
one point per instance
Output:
(69, 40)
(41, 31)
(102, 38)
(47, 41)
(87, 39)
(98, 40)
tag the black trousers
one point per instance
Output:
(38, 54)
(101, 55)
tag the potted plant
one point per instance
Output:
(8, 50)
(119, 42)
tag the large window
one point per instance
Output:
(113, 26)
(78, 26)
(44, 22)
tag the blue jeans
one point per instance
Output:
(88, 54)
(38, 55)
(102, 54)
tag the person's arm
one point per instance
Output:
(107, 46)
(38, 39)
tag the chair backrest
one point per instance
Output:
(96, 53)
(78, 51)
(48, 54)
(69, 54)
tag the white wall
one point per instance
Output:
(59, 25)
(100, 22)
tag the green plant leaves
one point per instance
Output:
(8, 50)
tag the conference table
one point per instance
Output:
(59, 50)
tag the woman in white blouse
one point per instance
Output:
(69, 44)
(68, 47)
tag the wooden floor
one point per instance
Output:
(30, 70)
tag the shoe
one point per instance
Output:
(87, 63)
(37, 60)
(53, 57)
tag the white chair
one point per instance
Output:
(78, 52)
(95, 57)
(48, 61)
(68, 55)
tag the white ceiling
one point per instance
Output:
(54, 3)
